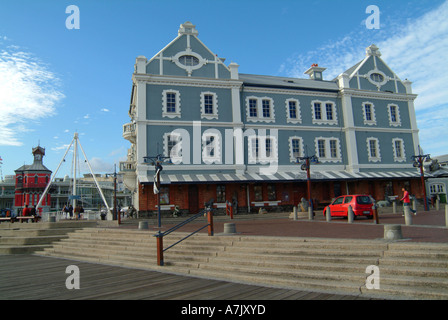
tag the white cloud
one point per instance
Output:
(105, 110)
(98, 165)
(27, 93)
(415, 50)
(60, 148)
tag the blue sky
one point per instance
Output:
(55, 81)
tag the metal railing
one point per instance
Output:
(160, 235)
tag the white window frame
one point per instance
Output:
(373, 158)
(262, 158)
(177, 157)
(403, 153)
(372, 121)
(437, 188)
(397, 122)
(298, 118)
(328, 154)
(323, 111)
(209, 116)
(206, 157)
(165, 113)
(292, 157)
(259, 117)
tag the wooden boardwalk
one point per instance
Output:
(31, 277)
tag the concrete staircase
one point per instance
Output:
(25, 238)
(407, 270)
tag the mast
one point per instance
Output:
(75, 149)
(74, 142)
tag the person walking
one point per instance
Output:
(407, 201)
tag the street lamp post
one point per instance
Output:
(306, 167)
(157, 163)
(418, 162)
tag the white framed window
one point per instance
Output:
(398, 149)
(373, 149)
(324, 112)
(368, 112)
(262, 149)
(211, 147)
(328, 149)
(171, 104)
(437, 188)
(293, 113)
(172, 146)
(394, 115)
(295, 148)
(209, 105)
(260, 109)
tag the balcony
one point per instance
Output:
(128, 172)
(129, 132)
(127, 166)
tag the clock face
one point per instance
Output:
(38, 157)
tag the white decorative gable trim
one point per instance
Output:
(177, 59)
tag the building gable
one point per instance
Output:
(373, 74)
(187, 56)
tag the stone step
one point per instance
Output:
(417, 254)
(308, 251)
(27, 249)
(22, 241)
(327, 265)
(32, 232)
(413, 263)
(298, 283)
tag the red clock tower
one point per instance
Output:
(31, 181)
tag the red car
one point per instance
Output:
(362, 205)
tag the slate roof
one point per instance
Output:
(288, 83)
(36, 166)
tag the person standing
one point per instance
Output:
(407, 201)
(26, 211)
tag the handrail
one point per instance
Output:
(160, 235)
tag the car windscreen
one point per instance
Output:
(363, 200)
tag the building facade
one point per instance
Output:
(242, 137)
(30, 183)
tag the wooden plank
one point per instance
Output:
(18, 280)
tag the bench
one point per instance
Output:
(5, 219)
(26, 218)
